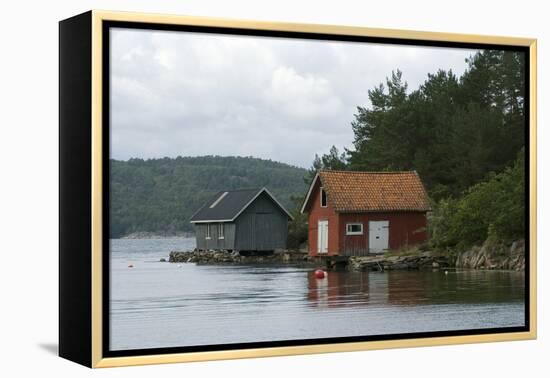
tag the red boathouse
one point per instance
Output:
(353, 213)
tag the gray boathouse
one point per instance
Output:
(249, 220)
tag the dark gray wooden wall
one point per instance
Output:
(263, 226)
(228, 242)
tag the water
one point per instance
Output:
(158, 304)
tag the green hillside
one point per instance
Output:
(160, 195)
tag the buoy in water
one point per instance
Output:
(319, 274)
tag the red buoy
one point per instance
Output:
(319, 274)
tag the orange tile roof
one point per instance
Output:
(350, 191)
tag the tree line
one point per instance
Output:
(161, 195)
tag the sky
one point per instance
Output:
(191, 94)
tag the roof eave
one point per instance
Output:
(212, 221)
(306, 200)
(264, 189)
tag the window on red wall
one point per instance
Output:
(323, 198)
(354, 229)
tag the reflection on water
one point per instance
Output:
(339, 289)
(158, 304)
(414, 287)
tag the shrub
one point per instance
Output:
(495, 206)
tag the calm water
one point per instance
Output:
(158, 304)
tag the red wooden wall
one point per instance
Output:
(406, 228)
(317, 213)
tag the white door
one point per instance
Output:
(322, 236)
(378, 236)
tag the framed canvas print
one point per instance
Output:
(234, 189)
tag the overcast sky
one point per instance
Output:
(190, 94)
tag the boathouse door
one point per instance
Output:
(322, 236)
(378, 236)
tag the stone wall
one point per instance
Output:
(224, 257)
(419, 260)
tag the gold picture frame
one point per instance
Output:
(90, 267)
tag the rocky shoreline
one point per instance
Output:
(489, 256)
(423, 260)
(221, 257)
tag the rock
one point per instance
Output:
(162, 259)
(493, 255)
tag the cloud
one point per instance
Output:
(190, 94)
(300, 96)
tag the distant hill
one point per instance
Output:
(160, 195)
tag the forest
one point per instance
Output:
(465, 136)
(160, 195)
